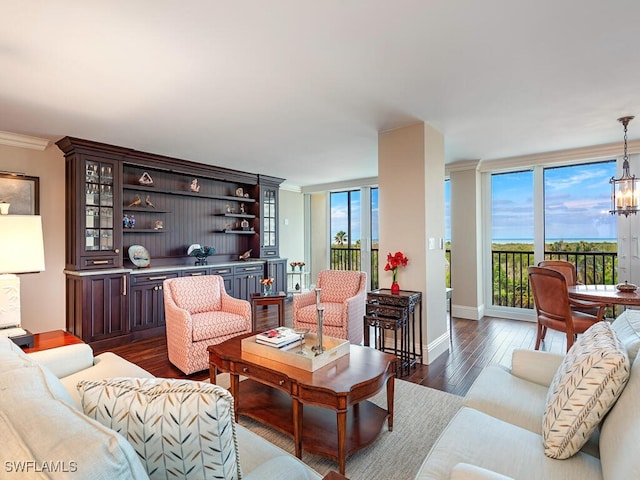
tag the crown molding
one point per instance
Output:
(462, 165)
(611, 150)
(23, 141)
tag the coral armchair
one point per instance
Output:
(199, 312)
(343, 295)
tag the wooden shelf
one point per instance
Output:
(144, 210)
(235, 215)
(143, 230)
(185, 193)
(238, 232)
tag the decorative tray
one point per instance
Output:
(334, 349)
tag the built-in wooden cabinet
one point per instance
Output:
(276, 268)
(118, 198)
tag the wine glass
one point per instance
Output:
(302, 332)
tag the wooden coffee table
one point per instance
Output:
(326, 412)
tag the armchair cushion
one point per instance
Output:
(338, 285)
(179, 428)
(196, 296)
(333, 315)
(587, 384)
(210, 325)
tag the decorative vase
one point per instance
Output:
(4, 208)
(395, 288)
(266, 290)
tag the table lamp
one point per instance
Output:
(21, 251)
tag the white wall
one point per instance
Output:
(291, 218)
(42, 294)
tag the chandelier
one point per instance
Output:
(625, 193)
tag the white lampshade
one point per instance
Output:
(21, 244)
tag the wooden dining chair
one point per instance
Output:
(568, 269)
(554, 307)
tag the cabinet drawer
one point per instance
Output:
(249, 269)
(155, 277)
(99, 262)
(269, 252)
(262, 375)
(195, 273)
(221, 271)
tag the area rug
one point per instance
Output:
(421, 413)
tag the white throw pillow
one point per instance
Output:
(586, 385)
(179, 428)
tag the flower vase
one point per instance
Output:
(266, 290)
(395, 288)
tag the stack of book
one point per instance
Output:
(283, 338)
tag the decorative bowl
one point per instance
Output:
(626, 287)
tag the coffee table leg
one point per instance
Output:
(297, 426)
(390, 391)
(342, 440)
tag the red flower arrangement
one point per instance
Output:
(393, 263)
(267, 282)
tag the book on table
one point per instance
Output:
(278, 337)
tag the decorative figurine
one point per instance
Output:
(132, 221)
(149, 202)
(145, 179)
(227, 208)
(244, 225)
(242, 208)
(125, 221)
(194, 185)
(246, 254)
(136, 202)
(239, 192)
(201, 253)
(159, 225)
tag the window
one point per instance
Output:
(345, 230)
(375, 238)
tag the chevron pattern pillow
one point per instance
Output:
(179, 428)
(584, 388)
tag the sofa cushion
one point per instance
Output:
(587, 384)
(47, 433)
(195, 295)
(179, 428)
(479, 439)
(627, 328)
(338, 285)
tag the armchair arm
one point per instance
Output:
(303, 300)
(63, 361)
(178, 321)
(574, 302)
(236, 305)
(535, 366)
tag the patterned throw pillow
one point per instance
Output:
(179, 428)
(584, 388)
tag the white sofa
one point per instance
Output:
(498, 432)
(45, 433)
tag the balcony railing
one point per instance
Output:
(348, 258)
(511, 280)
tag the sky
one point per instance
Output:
(577, 203)
(577, 200)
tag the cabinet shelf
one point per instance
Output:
(144, 210)
(228, 198)
(238, 232)
(235, 215)
(144, 230)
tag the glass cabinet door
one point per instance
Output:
(269, 218)
(99, 191)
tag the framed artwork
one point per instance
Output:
(21, 192)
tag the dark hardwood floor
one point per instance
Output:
(475, 345)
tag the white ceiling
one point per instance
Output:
(300, 88)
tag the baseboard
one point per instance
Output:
(468, 313)
(436, 348)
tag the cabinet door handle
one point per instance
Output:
(197, 274)
(281, 382)
(245, 369)
(117, 250)
(124, 285)
(163, 277)
(100, 262)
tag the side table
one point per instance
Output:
(273, 299)
(52, 339)
(387, 311)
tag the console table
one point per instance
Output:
(387, 311)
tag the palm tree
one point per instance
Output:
(340, 238)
